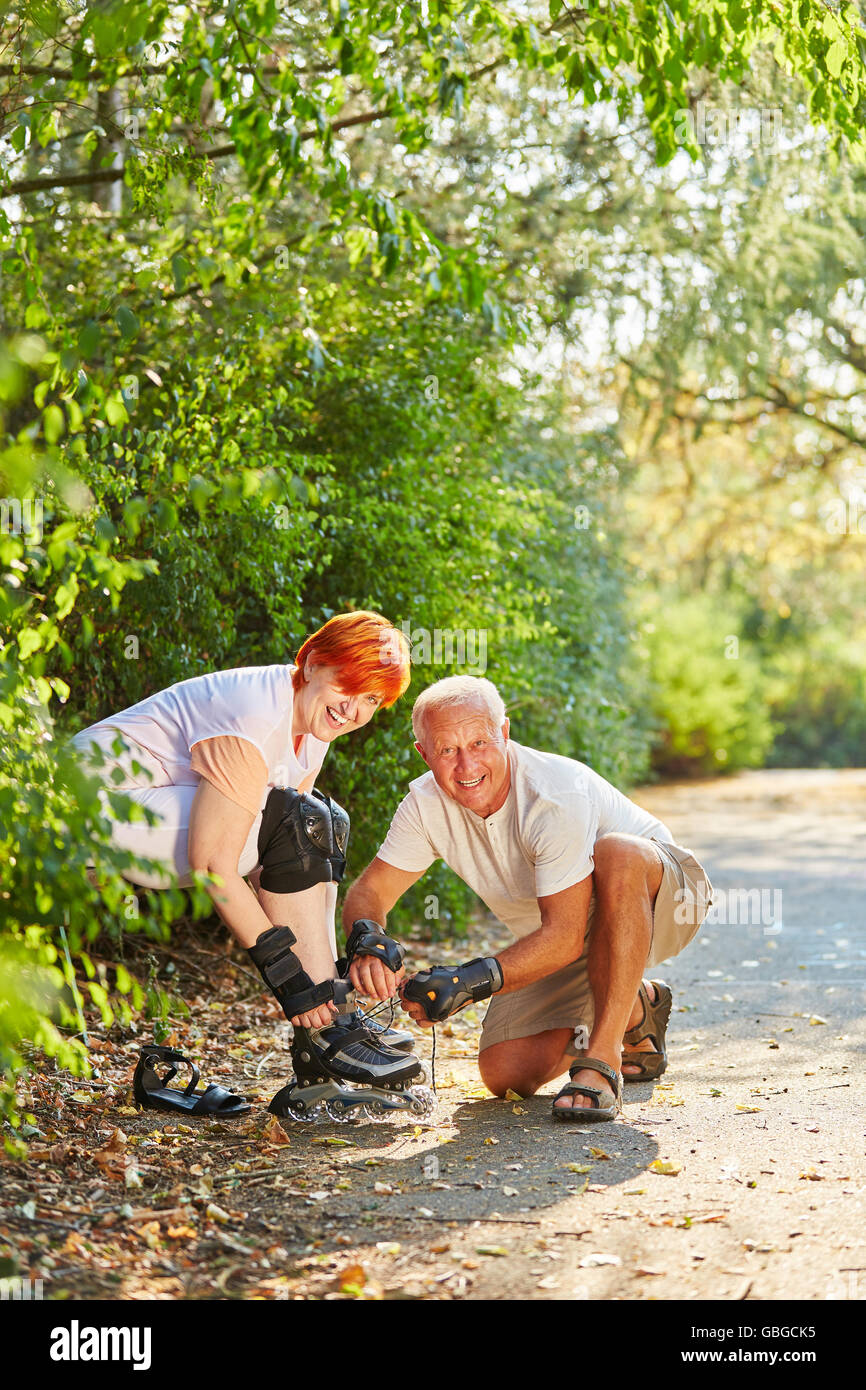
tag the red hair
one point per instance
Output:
(370, 654)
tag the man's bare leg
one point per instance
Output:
(525, 1064)
(627, 876)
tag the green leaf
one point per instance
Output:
(127, 322)
(53, 423)
(180, 269)
(836, 55)
(200, 492)
(88, 338)
(29, 641)
(115, 411)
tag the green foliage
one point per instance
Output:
(54, 819)
(708, 689)
(818, 701)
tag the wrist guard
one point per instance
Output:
(367, 938)
(287, 979)
(442, 990)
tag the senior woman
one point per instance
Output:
(228, 763)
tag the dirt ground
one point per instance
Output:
(739, 1176)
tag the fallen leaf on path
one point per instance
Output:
(648, 1269)
(518, 1110)
(812, 1176)
(598, 1258)
(510, 1192)
(491, 1139)
(749, 1109)
(578, 1167)
(274, 1136)
(599, 1153)
(491, 1250)
(512, 1095)
(383, 1188)
(216, 1213)
(666, 1167)
(815, 1020)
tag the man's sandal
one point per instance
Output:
(154, 1093)
(653, 1025)
(584, 1114)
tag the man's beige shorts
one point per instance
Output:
(564, 999)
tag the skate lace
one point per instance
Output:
(389, 1005)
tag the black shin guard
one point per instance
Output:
(284, 975)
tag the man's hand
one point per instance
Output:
(375, 959)
(373, 979)
(415, 1011)
(442, 990)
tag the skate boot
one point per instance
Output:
(344, 1072)
(387, 1034)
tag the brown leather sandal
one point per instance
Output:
(586, 1114)
(653, 1025)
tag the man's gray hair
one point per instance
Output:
(454, 691)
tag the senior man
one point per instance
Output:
(592, 886)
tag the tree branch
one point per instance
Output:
(113, 175)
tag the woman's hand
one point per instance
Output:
(316, 1018)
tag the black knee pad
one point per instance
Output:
(302, 841)
(340, 829)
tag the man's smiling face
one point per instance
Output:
(468, 755)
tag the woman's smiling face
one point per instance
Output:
(325, 709)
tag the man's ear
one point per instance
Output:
(423, 754)
(506, 725)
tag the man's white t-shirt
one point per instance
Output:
(539, 842)
(251, 703)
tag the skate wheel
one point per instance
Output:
(423, 1101)
(301, 1114)
(338, 1113)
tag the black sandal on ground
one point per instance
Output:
(586, 1114)
(653, 1025)
(154, 1093)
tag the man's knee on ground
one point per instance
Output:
(500, 1076)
